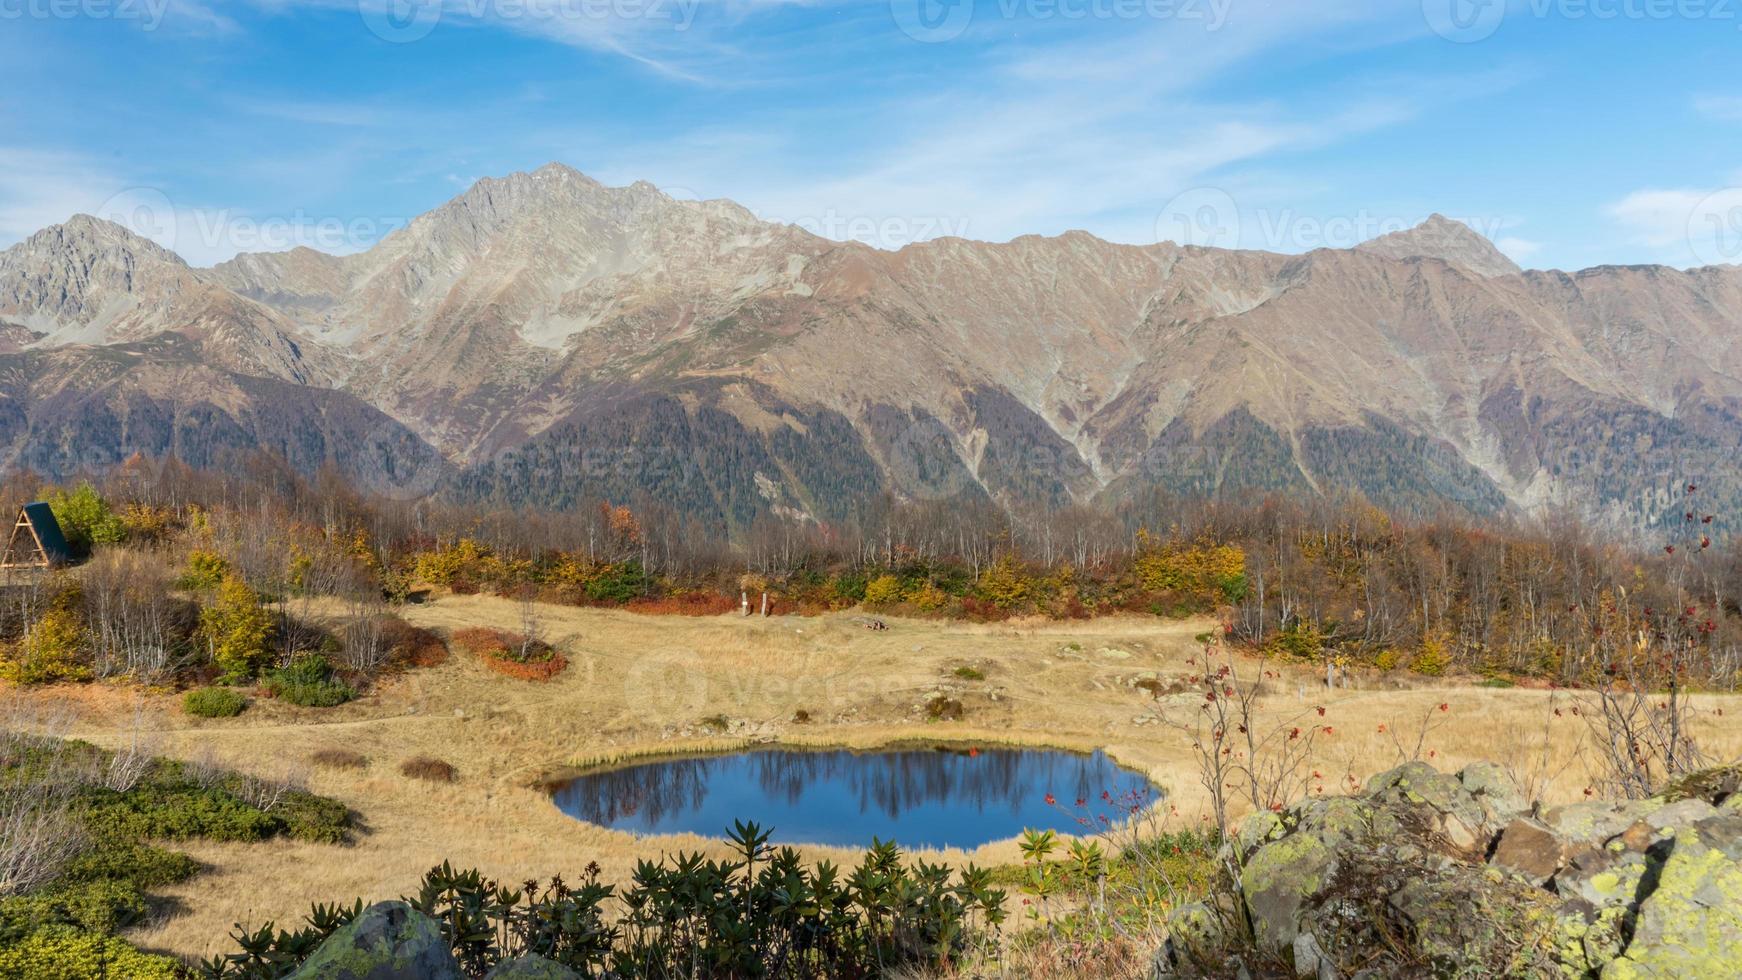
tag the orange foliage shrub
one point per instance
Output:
(685, 604)
(501, 652)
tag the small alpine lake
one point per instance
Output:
(916, 795)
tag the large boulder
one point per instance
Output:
(1690, 924)
(1430, 873)
(387, 941)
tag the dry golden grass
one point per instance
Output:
(640, 685)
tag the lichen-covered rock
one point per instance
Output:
(1278, 880)
(1690, 925)
(1195, 932)
(1428, 874)
(387, 941)
(531, 967)
(1495, 791)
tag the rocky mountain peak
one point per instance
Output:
(1453, 242)
(87, 235)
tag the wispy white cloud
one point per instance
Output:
(1518, 249)
(1724, 108)
(1686, 226)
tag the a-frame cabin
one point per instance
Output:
(37, 541)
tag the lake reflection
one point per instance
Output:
(919, 797)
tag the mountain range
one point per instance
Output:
(546, 340)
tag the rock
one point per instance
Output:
(1681, 813)
(1595, 823)
(1194, 932)
(531, 967)
(1528, 848)
(1310, 961)
(387, 941)
(1495, 791)
(1279, 879)
(1691, 923)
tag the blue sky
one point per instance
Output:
(1573, 132)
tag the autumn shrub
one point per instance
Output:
(982, 611)
(429, 769)
(930, 598)
(510, 654)
(236, 629)
(1205, 570)
(1387, 659)
(685, 604)
(1004, 584)
(56, 648)
(1433, 660)
(883, 590)
(411, 646)
(205, 571)
(146, 524)
(214, 702)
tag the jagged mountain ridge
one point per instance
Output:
(557, 339)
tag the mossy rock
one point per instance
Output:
(1279, 880)
(1691, 924)
(388, 941)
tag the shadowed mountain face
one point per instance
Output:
(545, 339)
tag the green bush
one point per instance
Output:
(214, 702)
(102, 907)
(138, 864)
(67, 954)
(617, 583)
(309, 681)
(174, 812)
(85, 518)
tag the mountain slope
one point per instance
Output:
(558, 340)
